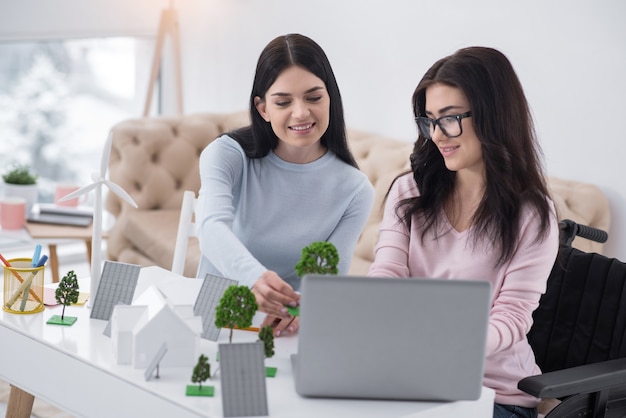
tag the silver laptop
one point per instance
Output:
(402, 338)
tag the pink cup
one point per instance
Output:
(12, 213)
(63, 190)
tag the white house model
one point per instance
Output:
(139, 330)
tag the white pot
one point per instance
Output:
(26, 191)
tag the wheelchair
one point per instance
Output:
(579, 332)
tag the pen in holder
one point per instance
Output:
(23, 286)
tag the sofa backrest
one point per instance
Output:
(382, 159)
(156, 159)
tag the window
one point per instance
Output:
(58, 100)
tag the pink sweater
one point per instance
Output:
(517, 285)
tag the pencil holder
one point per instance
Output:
(23, 287)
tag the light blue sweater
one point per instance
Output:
(257, 214)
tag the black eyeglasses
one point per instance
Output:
(450, 125)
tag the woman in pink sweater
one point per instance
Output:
(476, 206)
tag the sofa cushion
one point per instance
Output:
(152, 234)
(155, 159)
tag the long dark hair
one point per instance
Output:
(281, 53)
(513, 159)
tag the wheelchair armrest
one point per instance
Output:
(582, 379)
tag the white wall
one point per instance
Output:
(569, 54)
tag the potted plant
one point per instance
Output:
(20, 181)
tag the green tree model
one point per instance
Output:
(236, 309)
(319, 257)
(202, 371)
(266, 334)
(67, 291)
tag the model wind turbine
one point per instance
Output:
(96, 240)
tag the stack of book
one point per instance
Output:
(50, 213)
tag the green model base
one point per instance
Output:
(271, 371)
(194, 390)
(67, 320)
(293, 311)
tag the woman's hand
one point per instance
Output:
(273, 294)
(282, 326)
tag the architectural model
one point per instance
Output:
(243, 379)
(140, 329)
(117, 285)
(154, 363)
(98, 180)
(213, 287)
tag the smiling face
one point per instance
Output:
(463, 153)
(297, 106)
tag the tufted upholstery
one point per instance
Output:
(382, 159)
(156, 159)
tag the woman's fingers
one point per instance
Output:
(282, 292)
(282, 326)
(287, 326)
(273, 294)
(267, 306)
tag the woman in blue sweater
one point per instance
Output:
(285, 181)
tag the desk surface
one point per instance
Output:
(74, 369)
(46, 233)
(40, 230)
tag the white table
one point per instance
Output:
(73, 368)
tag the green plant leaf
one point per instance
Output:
(21, 174)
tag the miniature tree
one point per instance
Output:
(67, 291)
(266, 334)
(320, 257)
(236, 309)
(202, 371)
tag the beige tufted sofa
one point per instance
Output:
(156, 159)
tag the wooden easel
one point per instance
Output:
(168, 24)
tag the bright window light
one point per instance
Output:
(58, 100)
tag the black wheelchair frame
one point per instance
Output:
(579, 332)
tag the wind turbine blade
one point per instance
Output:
(79, 192)
(106, 153)
(120, 192)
